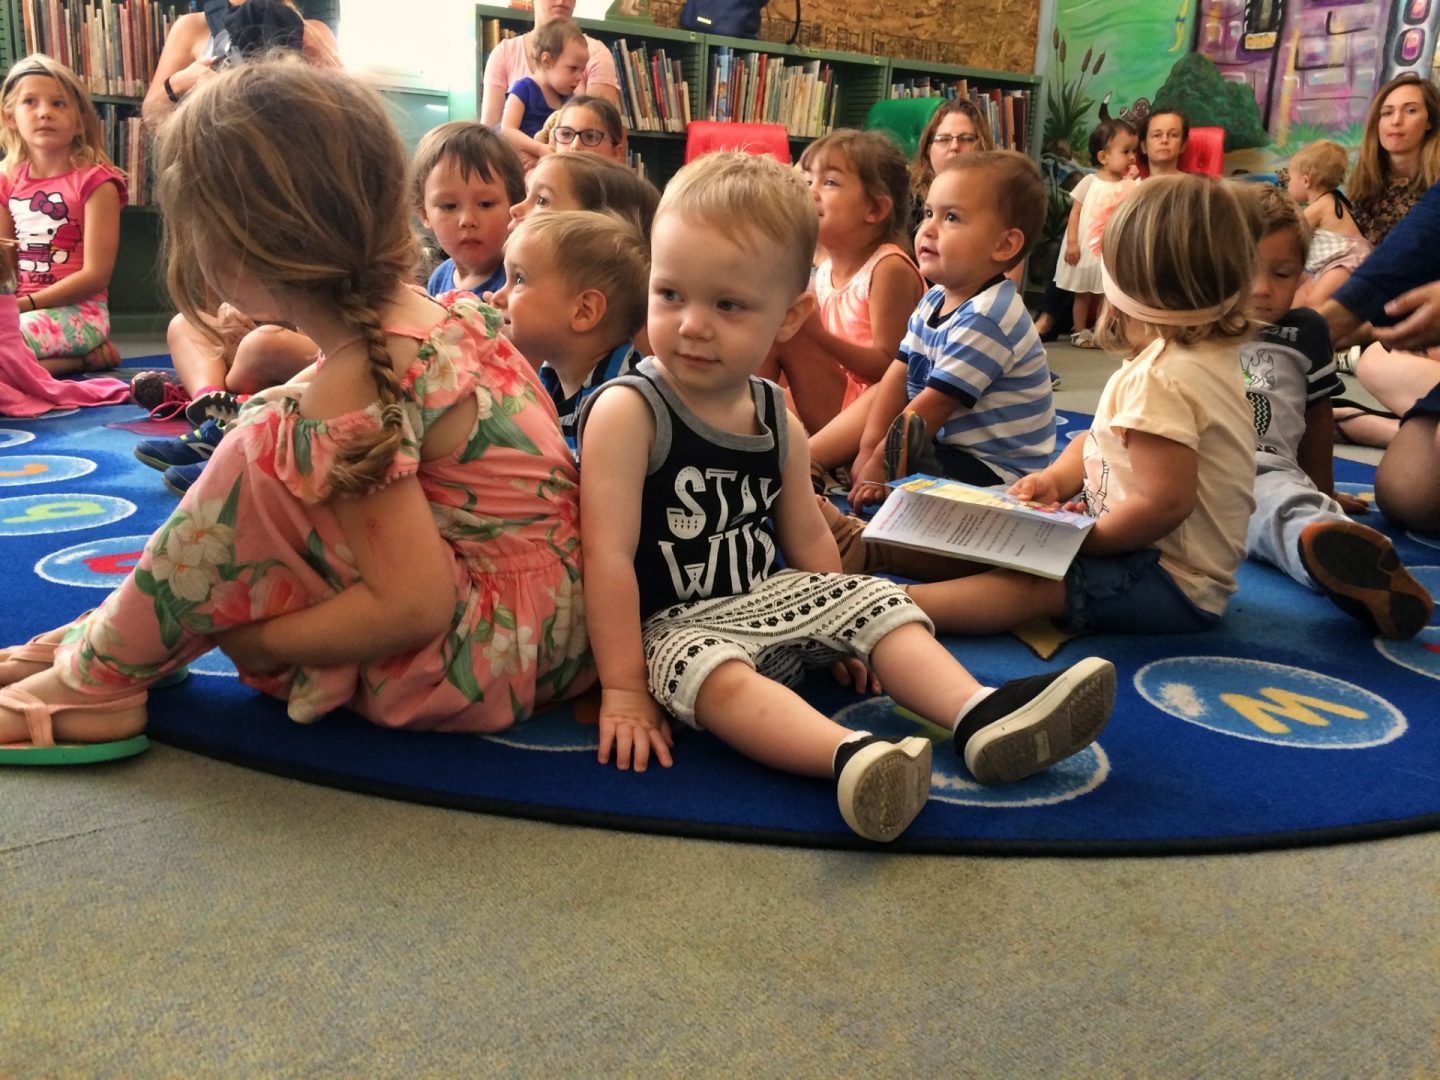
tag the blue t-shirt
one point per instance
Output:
(443, 280)
(986, 356)
(537, 109)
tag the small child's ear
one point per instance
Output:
(588, 311)
(800, 310)
(1009, 246)
(880, 209)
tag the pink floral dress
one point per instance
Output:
(256, 537)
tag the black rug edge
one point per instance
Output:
(600, 819)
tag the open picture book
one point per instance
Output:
(980, 524)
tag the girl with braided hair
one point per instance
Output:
(398, 533)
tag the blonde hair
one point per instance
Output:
(879, 166)
(1371, 175)
(294, 176)
(1180, 243)
(598, 183)
(552, 39)
(594, 250)
(1324, 162)
(1279, 212)
(921, 171)
(88, 146)
(1017, 190)
(748, 195)
(473, 148)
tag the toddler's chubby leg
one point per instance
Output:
(881, 785)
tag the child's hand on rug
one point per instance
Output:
(1351, 504)
(857, 675)
(631, 722)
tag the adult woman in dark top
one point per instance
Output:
(1399, 154)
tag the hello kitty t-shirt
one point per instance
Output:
(49, 216)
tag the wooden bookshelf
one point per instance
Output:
(855, 80)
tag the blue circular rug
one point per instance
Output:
(1288, 725)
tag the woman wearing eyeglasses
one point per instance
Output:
(591, 124)
(956, 127)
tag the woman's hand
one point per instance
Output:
(190, 76)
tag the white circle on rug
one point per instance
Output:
(39, 515)
(18, 470)
(99, 564)
(552, 734)
(14, 437)
(1269, 703)
(54, 414)
(1427, 539)
(951, 782)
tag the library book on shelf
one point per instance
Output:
(757, 88)
(984, 525)
(1008, 111)
(112, 46)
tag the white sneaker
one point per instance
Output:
(884, 786)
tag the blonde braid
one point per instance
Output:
(365, 459)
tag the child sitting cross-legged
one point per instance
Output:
(696, 486)
(1167, 469)
(969, 395)
(574, 296)
(1300, 523)
(463, 180)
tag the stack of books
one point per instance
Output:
(113, 46)
(492, 32)
(756, 88)
(1008, 111)
(127, 147)
(654, 95)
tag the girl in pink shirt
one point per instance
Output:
(866, 284)
(62, 201)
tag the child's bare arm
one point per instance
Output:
(894, 291)
(511, 133)
(405, 598)
(1166, 485)
(1072, 236)
(889, 402)
(805, 540)
(1316, 455)
(619, 430)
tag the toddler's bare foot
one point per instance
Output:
(60, 714)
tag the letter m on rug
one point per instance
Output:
(1286, 704)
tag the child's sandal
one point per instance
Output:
(39, 720)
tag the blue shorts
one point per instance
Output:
(1429, 405)
(1128, 594)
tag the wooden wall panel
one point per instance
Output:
(998, 34)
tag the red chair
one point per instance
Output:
(703, 136)
(1204, 151)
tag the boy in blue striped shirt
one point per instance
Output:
(969, 396)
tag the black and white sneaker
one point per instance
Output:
(1029, 724)
(884, 785)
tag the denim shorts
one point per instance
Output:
(1129, 594)
(1429, 405)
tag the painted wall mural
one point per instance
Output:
(1277, 74)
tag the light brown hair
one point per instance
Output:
(599, 183)
(597, 250)
(293, 175)
(1180, 243)
(1324, 162)
(553, 38)
(1279, 212)
(88, 146)
(752, 196)
(879, 166)
(921, 171)
(1015, 185)
(1371, 175)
